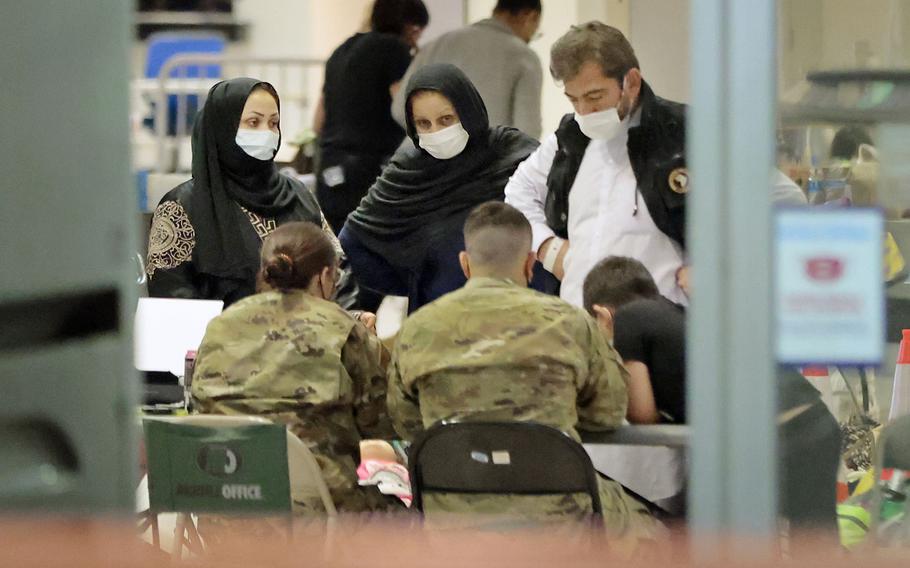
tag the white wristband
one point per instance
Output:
(549, 256)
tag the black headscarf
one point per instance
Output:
(419, 198)
(224, 175)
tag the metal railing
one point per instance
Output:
(297, 81)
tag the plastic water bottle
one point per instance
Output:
(814, 188)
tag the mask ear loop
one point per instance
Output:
(624, 86)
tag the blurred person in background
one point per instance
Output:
(356, 132)
(405, 236)
(648, 331)
(207, 232)
(495, 55)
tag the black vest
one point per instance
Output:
(656, 148)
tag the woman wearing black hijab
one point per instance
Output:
(405, 236)
(207, 232)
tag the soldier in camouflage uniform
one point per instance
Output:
(497, 350)
(291, 355)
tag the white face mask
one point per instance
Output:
(446, 143)
(259, 144)
(603, 125)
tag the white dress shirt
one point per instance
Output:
(602, 220)
(602, 223)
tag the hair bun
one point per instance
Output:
(279, 270)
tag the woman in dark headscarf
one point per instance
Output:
(405, 236)
(207, 232)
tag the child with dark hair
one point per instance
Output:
(648, 331)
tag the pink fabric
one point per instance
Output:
(391, 478)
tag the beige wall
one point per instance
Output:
(659, 32)
(299, 28)
(863, 34)
(839, 34)
(314, 28)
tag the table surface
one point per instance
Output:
(670, 435)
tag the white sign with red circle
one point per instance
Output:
(829, 293)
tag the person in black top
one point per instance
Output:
(206, 233)
(648, 331)
(357, 134)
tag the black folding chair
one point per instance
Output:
(517, 458)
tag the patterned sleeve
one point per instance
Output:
(366, 359)
(403, 405)
(169, 262)
(602, 397)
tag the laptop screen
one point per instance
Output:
(166, 328)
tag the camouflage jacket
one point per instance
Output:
(497, 351)
(304, 362)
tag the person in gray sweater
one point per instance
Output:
(495, 56)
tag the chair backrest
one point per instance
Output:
(306, 475)
(217, 464)
(163, 46)
(894, 444)
(523, 458)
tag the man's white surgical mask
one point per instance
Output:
(602, 125)
(259, 144)
(446, 143)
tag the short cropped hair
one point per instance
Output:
(593, 41)
(391, 16)
(497, 235)
(517, 6)
(616, 281)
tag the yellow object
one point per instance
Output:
(853, 524)
(894, 261)
(866, 482)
